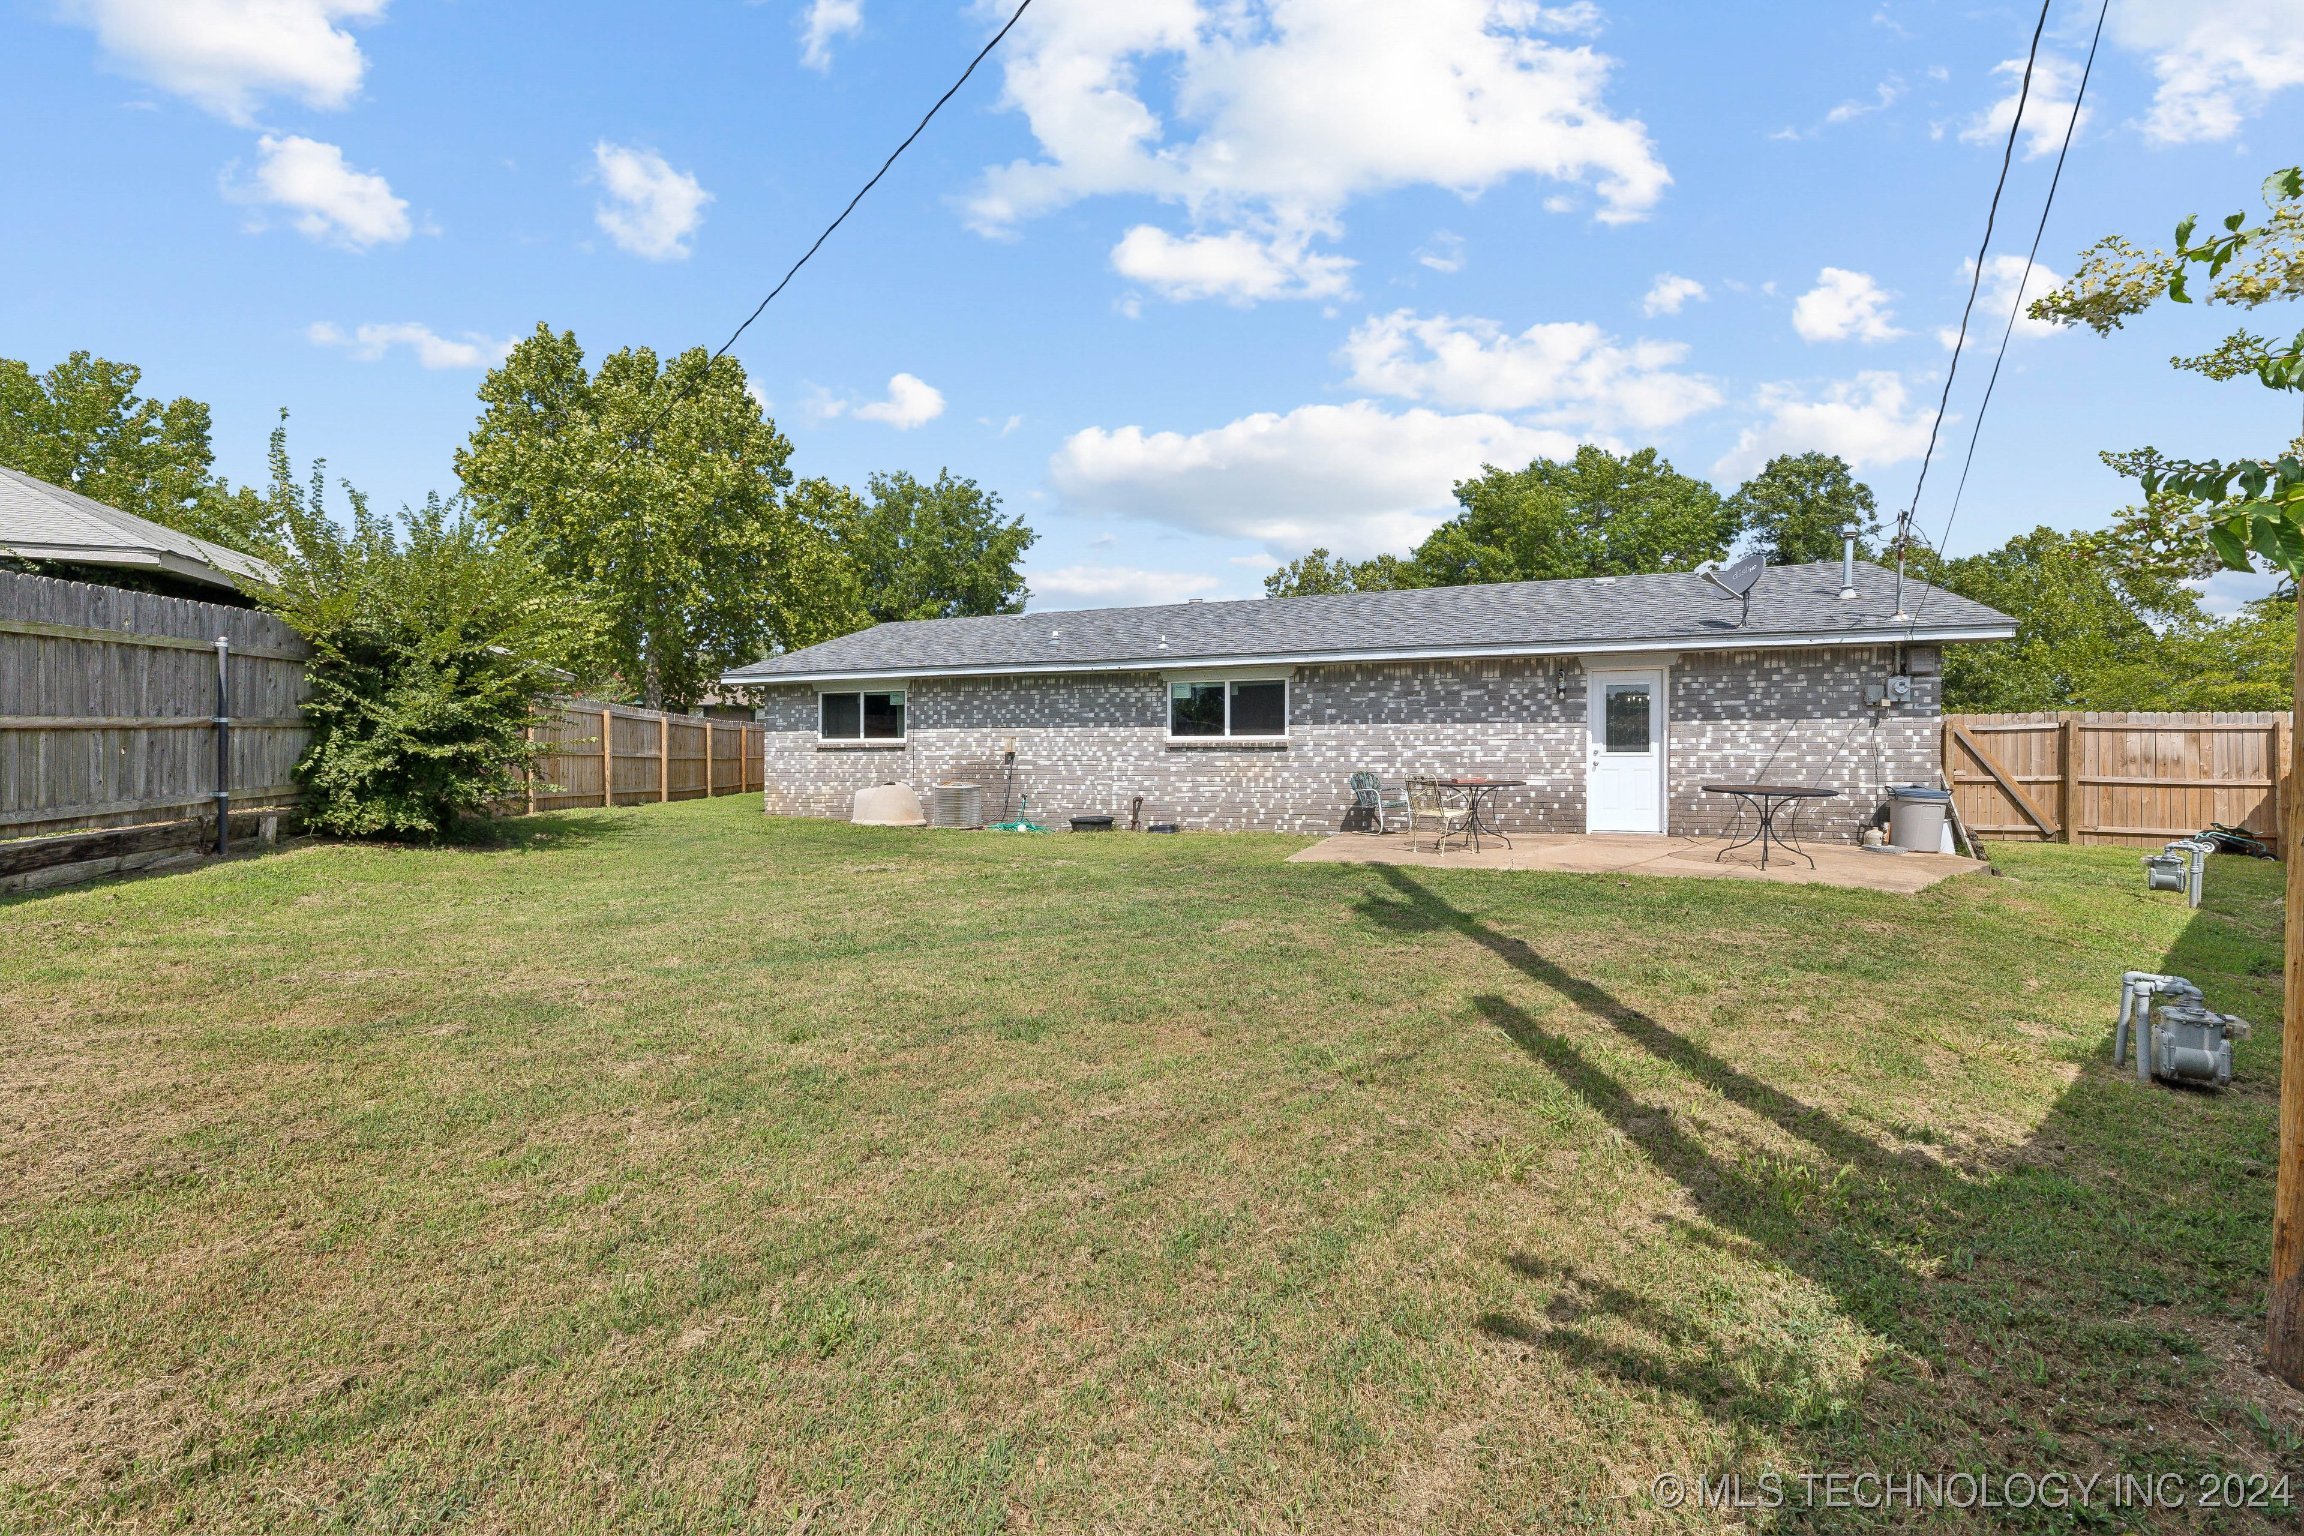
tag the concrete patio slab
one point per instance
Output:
(1610, 853)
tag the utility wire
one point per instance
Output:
(794, 270)
(917, 130)
(2016, 307)
(1975, 281)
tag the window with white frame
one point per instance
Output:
(1250, 708)
(863, 714)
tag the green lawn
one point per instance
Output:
(678, 1169)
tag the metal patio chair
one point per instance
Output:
(1448, 812)
(1386, 807)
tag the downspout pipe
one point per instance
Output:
(223, 723)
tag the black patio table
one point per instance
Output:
(1480, 790)
(1767, 800)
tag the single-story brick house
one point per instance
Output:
(1616, 698)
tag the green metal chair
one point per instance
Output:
(1385, 807)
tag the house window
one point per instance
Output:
(860, 716)
(1252, 708)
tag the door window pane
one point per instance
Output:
(1195, 709)
(1260, 709)
(1627, 717)
(841, 718)
(884, 716)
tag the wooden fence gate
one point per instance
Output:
(2136, 778)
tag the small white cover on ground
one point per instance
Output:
(887, 805)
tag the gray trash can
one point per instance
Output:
(1916, 817)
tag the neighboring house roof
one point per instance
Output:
(39, 521)
(1793, 605)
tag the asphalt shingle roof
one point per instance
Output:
(1793, 605)
(39, 521)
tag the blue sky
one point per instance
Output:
(1193, 284)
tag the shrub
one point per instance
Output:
(434, 638)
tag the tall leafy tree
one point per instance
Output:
(81, 424)
(1794, 509)
(928, 550)
(1317, 574)
(1593, 515)
(658, 488)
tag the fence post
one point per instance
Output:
(607, 756)
(223, 743)
(528, 735)
(2069, 754)
(2283, 785)
(663, 757)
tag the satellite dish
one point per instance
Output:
(1738, 580)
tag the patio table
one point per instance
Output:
(1480, 790)
(1767, 800)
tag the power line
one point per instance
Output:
(1976, 281)
(982, 54)
(2016, 307)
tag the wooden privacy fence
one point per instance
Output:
(108, 708)
(615, 754)
(2136, 778)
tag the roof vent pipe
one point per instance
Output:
(1848, 560)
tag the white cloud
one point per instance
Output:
(1884, 95)
(1236, 266)
(1668, 293)
(1280, 112)
(1116, 586)
(227, 55)
(651, 209)
(1356, 478)
(2055, 86)
(1870, 420)
(328, 199)
(1844, 306)
(911, 402)
(2216, 64)
(1573, 375)
(1997, 296)
(823, 21)
(1444, 252)
(369, 343)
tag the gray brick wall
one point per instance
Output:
(1087, 744)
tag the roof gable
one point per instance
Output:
(40, 521)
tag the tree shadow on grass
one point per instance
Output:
(2082, 1302)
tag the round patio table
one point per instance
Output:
(1767, 800)
(1480, 790)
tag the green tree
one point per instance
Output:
(1794, 509)
(1592, 515)
(434, 640)
(1317, 574)
(659, 491)
(2090, 633)
(938, 550)
(82, 425)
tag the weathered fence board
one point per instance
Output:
(2128, 777)
(107, 705)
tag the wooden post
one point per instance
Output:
(607, 756)
(2284, 1307)
(2282, 781)
(663, 757)
(2069, 762)
(709, 730)
(528, 734)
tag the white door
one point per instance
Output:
(1624, 783)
